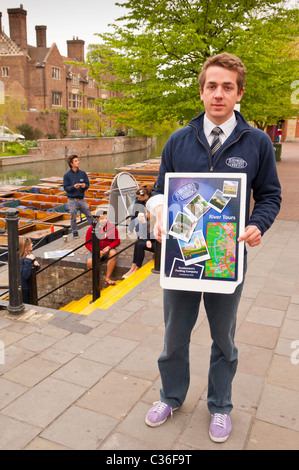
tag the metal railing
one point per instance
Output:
(16, 305)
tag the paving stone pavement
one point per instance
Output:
(86, 382)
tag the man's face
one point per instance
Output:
(220, 94)
(103, 220)
(75, 164)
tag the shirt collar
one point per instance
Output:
(227, 127)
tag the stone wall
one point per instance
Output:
(61, 148)
(53, 277)
(55, 149)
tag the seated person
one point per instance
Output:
(142, 244)
(27, 260)
(109, 240)
(142, 196)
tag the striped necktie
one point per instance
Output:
(216, 142)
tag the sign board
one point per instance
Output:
(122, 197)
(205, 217)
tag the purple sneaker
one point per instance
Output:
(158, 414)
(220, 427)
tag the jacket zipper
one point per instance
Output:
(208, 150)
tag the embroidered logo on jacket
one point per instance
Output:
(236, 162)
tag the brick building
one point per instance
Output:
(40, 77)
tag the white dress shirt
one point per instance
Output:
(227, 128)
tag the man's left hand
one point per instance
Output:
(252, 235)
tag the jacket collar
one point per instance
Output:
(240, 127)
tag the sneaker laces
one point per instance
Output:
(161, 406)
(219, 420)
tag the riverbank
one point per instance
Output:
(58, 149)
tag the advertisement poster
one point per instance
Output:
(205, 217)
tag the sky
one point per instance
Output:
(65, 19)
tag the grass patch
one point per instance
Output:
(16, 148)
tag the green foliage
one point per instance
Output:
(63, 118)
(11, 112)
(154, 56)
(90, 121)
(29, 133)
(17, 148)
(271, 57)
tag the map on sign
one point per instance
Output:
(206, 215)
(221, 241)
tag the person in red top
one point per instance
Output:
(109, 240)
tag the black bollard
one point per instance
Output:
(96, 274)
(157, 258)
(16, 305)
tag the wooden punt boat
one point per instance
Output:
(64, 220)
(21, 222)
(147, 167)
(41, 189)
(36, 232)
(44, 198)
(53, 180)
(107, 176)
(41, 205)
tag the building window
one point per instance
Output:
(90, 104)
(5, 71)
(90, 83)
(75, 79)
(56, 98)
(75, 125)
(56, 73)
(74, 101)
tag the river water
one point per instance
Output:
(31, 173)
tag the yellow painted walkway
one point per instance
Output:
(110, 294)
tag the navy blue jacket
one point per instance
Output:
(247, 150)
(70, 178)
(26, 266)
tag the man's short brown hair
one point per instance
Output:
(227, 61)
(70, 159)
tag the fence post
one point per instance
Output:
(15, 305)
(157, 258)
(96, 264)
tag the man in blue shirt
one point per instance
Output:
(75, 183)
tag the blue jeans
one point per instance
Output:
(180, 315)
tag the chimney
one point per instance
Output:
(75, 49)
(18, 26)
(41, 36)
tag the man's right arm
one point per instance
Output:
(159, 230)
(155, 204)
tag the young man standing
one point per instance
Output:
(75, 183)
(218, 140)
